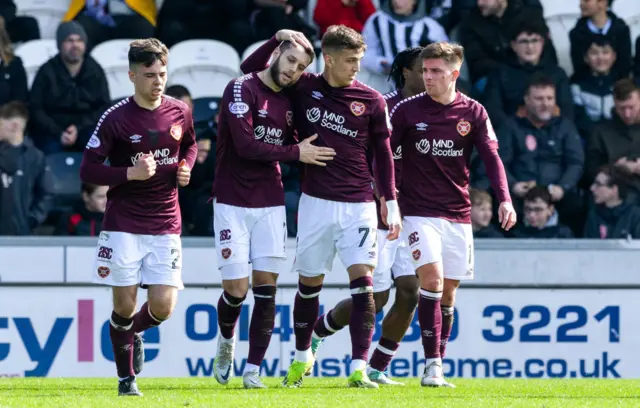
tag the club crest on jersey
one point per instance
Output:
(103, 271)
(357, 108)
(463, 127)
(226, 253)
(289, 116)
(176, 132)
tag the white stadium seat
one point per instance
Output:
(634, 27)
(34, 54)
(626, 9)
(204, 67)
(250, 49)
(559, 7)
(113, 56)
(49, 13)
(559, 27)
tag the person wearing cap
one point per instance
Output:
(68, 95)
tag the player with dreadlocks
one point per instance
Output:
(394, 259)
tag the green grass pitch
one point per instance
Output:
(326, 393)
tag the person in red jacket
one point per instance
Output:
(352, 13)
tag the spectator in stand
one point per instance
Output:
(223, 20)
(86, 218)
(351, 13)
(24, 174)
(396, 26)
(613, 216)
(20, 28)
(538, 147)
(269, 16)
(13, 77)
(507, 83)
(597, 19)
(540, 217)
(481, 215)
(68, 95)
(593, 92)
(618, 141)
(485, 35)
(291, 183)
(105, 20)
(180, 92)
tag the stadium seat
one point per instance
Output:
(204, 67)
(250, 49)
(49, 13)
(559, 27)
(113, 56)
(626, 9)
(34, 54)
(560, 7)
(65, 174)
(634, 27)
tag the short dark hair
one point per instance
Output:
(404, 59)
(623, 89)
(534, 26)
(341, 37)
(147, 51)
(451, 53)
(600, 40)
(539, 192)
(540, 80)
(617, 177)
(14, 109)
(177, 91)
(89, 188)
(288, 44)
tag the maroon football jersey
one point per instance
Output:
(255, 124)
(352, 120)
(124, 133)
(437, 141)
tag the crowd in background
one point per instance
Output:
(570, 142)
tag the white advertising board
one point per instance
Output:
(63, 332)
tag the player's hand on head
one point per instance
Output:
(391, 216)
(312, 154)
(296, 37)
(184, 173)
(143, 169)
(507, 215)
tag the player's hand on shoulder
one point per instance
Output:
(184, 173)
(507, 215)
(391, 216)
(312, 154)
(296, 37)
(143, 169)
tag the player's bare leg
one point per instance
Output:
(361, 323)
(430, 318)
(161, 300)
(122, 338)
(261, 327)
(305, 312)
(446, 306)
(394, 327)
(229, 308)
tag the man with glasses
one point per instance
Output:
(507, 84)
(540, 217)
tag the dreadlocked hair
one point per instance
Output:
(404, 59)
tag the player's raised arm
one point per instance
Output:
(93, 170)
(486, 142)
(259, 59)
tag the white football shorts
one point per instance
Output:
(437, 240)
(326, 227)
(249, 238)
(394, 260)
(124, 259)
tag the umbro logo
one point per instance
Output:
(316, 95)
(135, 138)
(421, 126)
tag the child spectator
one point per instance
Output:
(86, 218)
(540, 217)
(481, 214)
